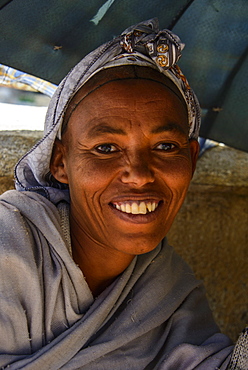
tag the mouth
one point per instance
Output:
(134, 207)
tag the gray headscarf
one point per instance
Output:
(142, 45)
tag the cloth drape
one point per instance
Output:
(154, 316)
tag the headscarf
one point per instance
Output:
(141, 45)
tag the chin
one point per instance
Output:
(137, 245)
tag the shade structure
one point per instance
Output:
(46, 38)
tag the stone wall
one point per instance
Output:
(13, 145)
(211, 234)
(210, 231)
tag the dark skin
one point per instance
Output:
(128, 162)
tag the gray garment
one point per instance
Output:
(154, 316)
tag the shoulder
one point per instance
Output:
(24, 216)
(16, 206)
(24, 200)
(12, 222)
(29, 222)
(167, 276)
(16, 215)
(171, 267)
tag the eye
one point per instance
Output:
(165, 146)
(106, 148)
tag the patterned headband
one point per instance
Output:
(145, 45)
(164, 49)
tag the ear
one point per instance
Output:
(194, 152)
(58, 162)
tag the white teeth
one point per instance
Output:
(128, 208)
(142, 208)
(149, 206)
(136, 209)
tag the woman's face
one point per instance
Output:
(128, 162)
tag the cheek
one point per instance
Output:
(90, 178)
(177, 171)
(182, 173)
(97, 174)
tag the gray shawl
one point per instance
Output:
(154, 316)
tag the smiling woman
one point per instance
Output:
(133, 133)
(89, 280)
(140, 150)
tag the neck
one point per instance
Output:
(100, 264)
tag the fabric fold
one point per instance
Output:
(56, 322)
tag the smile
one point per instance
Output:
(136, 208)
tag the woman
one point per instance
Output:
(88, 279)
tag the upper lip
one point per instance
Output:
(135, 197)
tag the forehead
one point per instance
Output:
(125, 72)
(131, 95)
(127, 105)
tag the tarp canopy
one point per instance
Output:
(46, 38)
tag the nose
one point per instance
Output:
(138, 171)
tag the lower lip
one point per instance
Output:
(140, 218)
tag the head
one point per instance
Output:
(123, 140)
(126, 155)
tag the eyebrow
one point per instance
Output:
(172, 126)
(104, 129)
